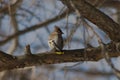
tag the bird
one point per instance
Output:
(55, 40)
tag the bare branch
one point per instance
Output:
(12, 62)
(5, 9)
(27, 50)
(112, 4)
(15, 27)
(97, 17)
(39, 25)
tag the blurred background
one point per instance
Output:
(79, 33)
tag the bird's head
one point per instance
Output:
(58, 30)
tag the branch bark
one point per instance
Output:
(8, 62)
(97, 17)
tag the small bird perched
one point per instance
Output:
(55, 40)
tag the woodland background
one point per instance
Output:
(91, 35)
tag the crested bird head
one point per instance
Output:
(58, 30)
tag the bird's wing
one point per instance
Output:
(56, 45)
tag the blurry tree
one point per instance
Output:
(91, 33)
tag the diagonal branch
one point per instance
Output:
(34, 27)
(97, 17)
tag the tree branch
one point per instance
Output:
(112, 4)
(97, 17)
(5, 9)
(93, 54)
(34, 27)
(101, 20)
